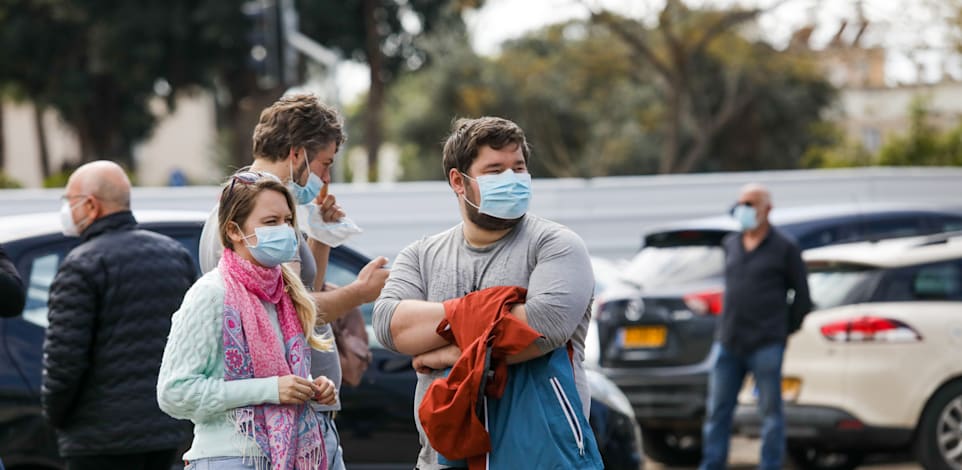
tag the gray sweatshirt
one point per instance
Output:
(547, 258)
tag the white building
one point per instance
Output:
(185, 140)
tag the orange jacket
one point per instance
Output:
(480, 324)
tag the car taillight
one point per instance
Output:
(705, 303)
(869, 329)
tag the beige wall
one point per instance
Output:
(185, 139)
(22, 147)
(873, 115)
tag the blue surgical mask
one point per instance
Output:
(746, 216)
(305, 194)
(276, 244)
(505, 195)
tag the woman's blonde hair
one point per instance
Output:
(237, 201)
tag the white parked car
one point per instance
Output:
(878, 365)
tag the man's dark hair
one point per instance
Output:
(469, 135)
(296, 121)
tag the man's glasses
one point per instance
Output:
(67, 198)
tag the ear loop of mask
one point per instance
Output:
(464, 195)
(306, 166)
(86, 216)
(244, 236)
(77, 225)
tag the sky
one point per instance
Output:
(905, 27)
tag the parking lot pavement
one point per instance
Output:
(744, 456)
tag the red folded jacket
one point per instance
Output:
(480, 324)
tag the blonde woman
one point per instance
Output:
(237, 361)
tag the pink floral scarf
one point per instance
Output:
(288, 435)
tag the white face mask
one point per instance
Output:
(66, 219)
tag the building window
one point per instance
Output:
(871, 139)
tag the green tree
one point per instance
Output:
(715, 85)
(834, 150)
(99, 64)
(591, 109)
(923, 144)
(384, 35)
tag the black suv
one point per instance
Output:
(376, 427)
(656, 325)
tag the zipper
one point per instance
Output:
(570, 415)
(487, 456)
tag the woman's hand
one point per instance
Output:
(294, 390)
(325, 392)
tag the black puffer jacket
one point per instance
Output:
(11, 288)
(110, 307)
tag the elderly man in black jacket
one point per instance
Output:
(11, 288)
(109, 310)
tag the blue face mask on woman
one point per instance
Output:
(276, 244)
(505, 195)
(305, 194)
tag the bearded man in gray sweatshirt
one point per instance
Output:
(497, 244)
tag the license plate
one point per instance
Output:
(791, 386)
(644, 336)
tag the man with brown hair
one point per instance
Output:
(497, 244)
(295, 141)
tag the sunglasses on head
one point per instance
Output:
(247, 177)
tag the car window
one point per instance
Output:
(836, 286)
(341, 274)
(338, 274)
(934, 281)
(659, 266)
(892, 227)
(947, 223)
(42, 270)
(938, 282)
(822, 237)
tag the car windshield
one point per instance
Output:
(836, 286)
(661, 266)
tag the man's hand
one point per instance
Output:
(440, 358)
(294, 390)
(370, 281)
(327, 204)
(325, 392)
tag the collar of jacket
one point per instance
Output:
(123, 220)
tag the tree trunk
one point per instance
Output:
(3, 143)
(672, 143)
(375, 96)
(243, 117)
(44, 154)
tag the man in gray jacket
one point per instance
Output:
(497, 244)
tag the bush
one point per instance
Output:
(7, 182)
(57, 180)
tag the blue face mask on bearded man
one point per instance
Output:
(504, 197)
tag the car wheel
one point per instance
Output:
(810, 458)
(938, 445)
(675, 448)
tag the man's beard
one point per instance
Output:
(486, 221)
